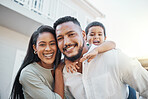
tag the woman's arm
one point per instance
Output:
(59, 82)
(34, 86)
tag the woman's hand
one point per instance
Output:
(60, 66)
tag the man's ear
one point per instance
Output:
(84, 35)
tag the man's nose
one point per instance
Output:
(66, 41)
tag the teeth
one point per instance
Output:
(70, 48)
(96, 41)
(48, 55)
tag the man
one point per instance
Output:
(106, 76)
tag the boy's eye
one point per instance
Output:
(100, 34)
(91, 34)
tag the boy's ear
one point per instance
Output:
(105, 38)
(84, 35)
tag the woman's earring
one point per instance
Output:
(35, 52)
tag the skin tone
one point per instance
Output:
(70, 39)
(59, 82)
(95, 36)
(46, 50)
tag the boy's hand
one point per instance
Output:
(71, 66)
(91, 55)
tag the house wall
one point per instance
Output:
(18, 21)
(10, 42)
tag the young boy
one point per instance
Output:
(96, 36)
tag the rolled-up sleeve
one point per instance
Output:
(132, 73)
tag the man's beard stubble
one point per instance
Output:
(75, 57)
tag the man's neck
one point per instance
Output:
(85, 50)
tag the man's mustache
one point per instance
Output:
(66, 46)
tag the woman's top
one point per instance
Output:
(37, 82)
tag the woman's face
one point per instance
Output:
(46, 48)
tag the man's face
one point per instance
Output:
(70, 40)
(95, 35)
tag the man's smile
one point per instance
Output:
(69, 48)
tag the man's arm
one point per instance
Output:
(132, 73)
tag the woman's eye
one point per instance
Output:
(42, 45)
(53, 44)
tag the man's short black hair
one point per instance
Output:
(95, 23)
(66, 19)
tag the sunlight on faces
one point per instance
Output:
(70, 40)
(46, 48)
(95, 35)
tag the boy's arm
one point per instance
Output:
(105, 46)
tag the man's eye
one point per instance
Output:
(59, 39)
(71, 34)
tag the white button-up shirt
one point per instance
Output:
(106, 76)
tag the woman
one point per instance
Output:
(36, 78)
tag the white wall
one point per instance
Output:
(81, 12)
(10, 41)
(23, 20)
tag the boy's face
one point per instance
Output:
(95, 35)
